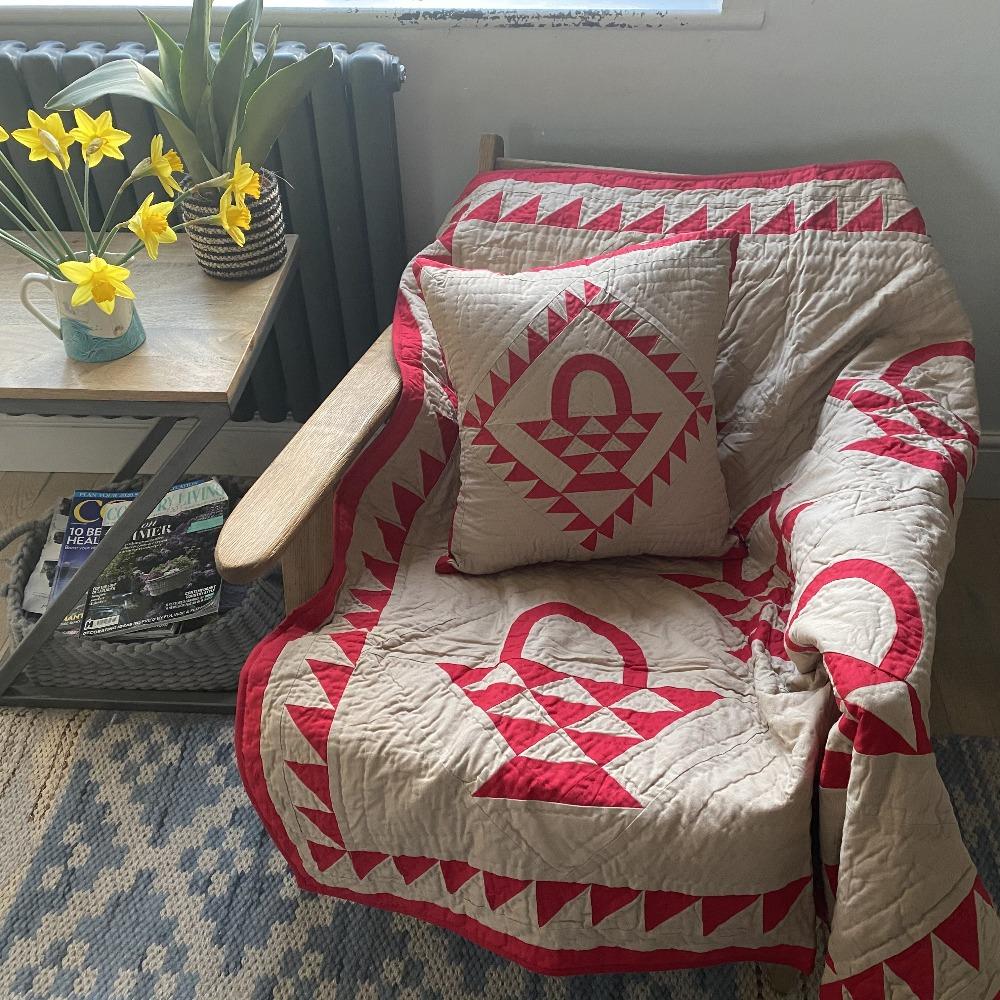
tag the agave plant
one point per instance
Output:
(211, 103)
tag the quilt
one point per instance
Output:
(644, 763)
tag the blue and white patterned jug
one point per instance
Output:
(87, 332)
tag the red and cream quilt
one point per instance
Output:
(637, 764)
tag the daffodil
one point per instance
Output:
(164, 165)
(150, 225)
(234, 218)
(97, 281)
(245, 181)
(46, 138)
(98, 137)
(4, 134)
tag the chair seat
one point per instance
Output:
(591, 757)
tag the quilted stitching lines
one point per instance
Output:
(586, 466)
(566, 727)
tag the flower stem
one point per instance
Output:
(86, 191)
(104, 242)
(24, 220)
(114, 204)
(39, 208)
(81, 213)
(5, 237)
(136, 247)
(42, 249)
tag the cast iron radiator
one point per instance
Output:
(337, 153)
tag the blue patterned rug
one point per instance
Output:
(133, 867)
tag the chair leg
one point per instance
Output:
(306, 561)
(783, 980)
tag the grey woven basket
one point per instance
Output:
(264, 250)
(206, 659)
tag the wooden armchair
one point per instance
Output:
(287, 515)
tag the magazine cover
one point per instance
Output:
(81, 535)
(39, 585)
(164, 574)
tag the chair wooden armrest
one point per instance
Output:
(287, 515)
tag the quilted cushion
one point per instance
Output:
(585, 405)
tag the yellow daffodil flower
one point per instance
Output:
(98, 137)
(246, 181)
(46, 138)
(98, 281)
(150, 225)
(234, 218)
(4, 134)
(164, 165)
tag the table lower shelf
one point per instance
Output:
(123, 699)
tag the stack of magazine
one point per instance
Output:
(162, 582)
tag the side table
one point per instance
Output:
(202, 339)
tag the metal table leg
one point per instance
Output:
(205, 427)
(146, 447)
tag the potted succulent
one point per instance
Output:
(223, 111)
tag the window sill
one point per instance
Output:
(738, 15)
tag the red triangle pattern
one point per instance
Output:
(333, 678)
(551, 897)
(782, 222)
(456, 874)
(365, 862)
(717, 910)
(314, 724)
(526, 212)
(608, 221)
(915, 967)
(825, 219)
(499, 889)
(411, 868)
(316, 777)
(959, 931)
(659, 907)
(568, 216)
(324, 855)
(696, 222)
(777, 904)
(325, 822)
(605, 900)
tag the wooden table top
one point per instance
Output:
(202, 334)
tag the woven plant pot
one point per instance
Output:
(264, 250)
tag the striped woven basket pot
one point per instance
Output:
(264, 250)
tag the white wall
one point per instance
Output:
(914, 81)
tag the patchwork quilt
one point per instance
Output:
(643, 763)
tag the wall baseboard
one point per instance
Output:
(100, 444)
(32, 443)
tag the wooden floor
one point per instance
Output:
(966, 696)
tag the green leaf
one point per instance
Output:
(244, 12)
(257, 75)
(268, 107)
(207, 133)
(126, 77)
(188, 146)
(195, 61)
(170, 59)
(227, 87)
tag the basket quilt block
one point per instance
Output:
(585, 405)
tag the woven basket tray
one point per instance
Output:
(206, 659)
